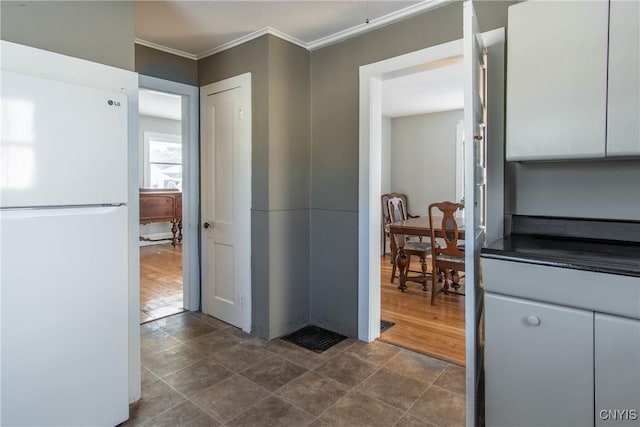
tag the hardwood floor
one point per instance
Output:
(436, 330)
(160, 281)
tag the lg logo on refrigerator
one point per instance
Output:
(113, 103)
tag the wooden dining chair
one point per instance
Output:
(447, 255)
(397, 211)
(401, 203)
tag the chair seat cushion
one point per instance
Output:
(417, 246)
(450, 258)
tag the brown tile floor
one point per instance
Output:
(198, 371)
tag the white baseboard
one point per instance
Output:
(156, 236)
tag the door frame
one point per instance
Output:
(370, 171)
(190, 184)
(243, 81)
(370, 166)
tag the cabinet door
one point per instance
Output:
(617, 370)
(557, 80)
(623, 126)
(538, 364)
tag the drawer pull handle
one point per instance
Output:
(533, 320)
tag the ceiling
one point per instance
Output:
(157, 104)
(434, 90)
(199, 28)
(196, 29)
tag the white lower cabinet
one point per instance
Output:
(617, 371)
(538, 364)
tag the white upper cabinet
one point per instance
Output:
(623, 121)
(557, 97)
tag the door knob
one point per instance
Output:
(207, 225)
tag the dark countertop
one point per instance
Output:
(614, 257)
(601, 245)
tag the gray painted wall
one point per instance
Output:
(155, 63)
(423, 158)
(334, 149)
(99, 31)
(280, 176)
(289, 162)
(604, 189)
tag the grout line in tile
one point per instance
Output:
(177, 370)
(250, 407)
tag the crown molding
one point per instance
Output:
(316, 44)
(376, 23)
(166, 49)
(252, 36)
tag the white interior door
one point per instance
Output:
(226, 200)
(475, 182)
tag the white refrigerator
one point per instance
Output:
(64, 253)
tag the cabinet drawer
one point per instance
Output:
(606, 293)
(156, 207)
(538, 364)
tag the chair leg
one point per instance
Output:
(434, 282)
(393, 268)
(406, 269)
(384, 243)
(445, 285)
(423, 260)
(455, 280)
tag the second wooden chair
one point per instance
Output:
(447, 256)
(397, 211)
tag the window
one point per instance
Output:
(163, 161)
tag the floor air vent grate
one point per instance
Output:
(314, 338)
(385, 324)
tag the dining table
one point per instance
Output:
(415, 227)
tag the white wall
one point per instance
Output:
(157, 125)
(386, 155)
(423, 158)
(594, 189)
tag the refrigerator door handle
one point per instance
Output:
(61, 207)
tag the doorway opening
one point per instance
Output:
(168, 197)
(160, 137)
(422, 159)
(372, 264)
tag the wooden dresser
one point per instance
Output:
(162, 205)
